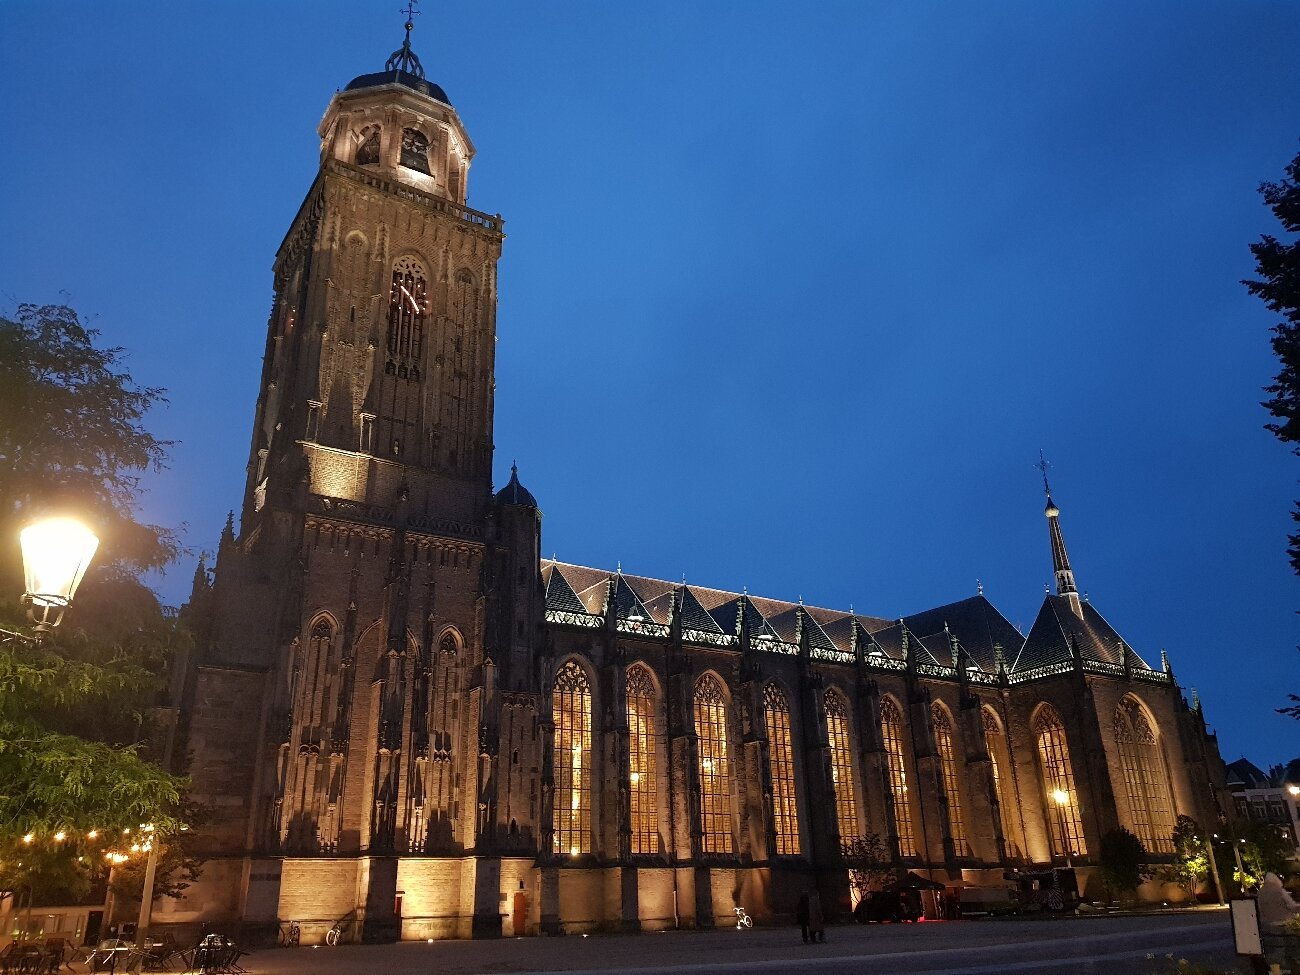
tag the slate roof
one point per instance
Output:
(1248, 775)
(514, 492)
(1048, 642)
(399, 77)
(976, 624)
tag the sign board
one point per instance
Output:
(1245, 926)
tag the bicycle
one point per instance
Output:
(290, 934)
(743, 921)
(335, 934)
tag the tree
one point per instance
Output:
(1123, 862)
(1277, 262)
(74, 769)
(1262, 849)
(1190, 866)
(869, 863)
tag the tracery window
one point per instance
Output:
(780, 754)
(571, 701)
(368, 150)
(1145, 777)
(996, 743)
(714, 767)
(448, 644)
(943, 743)
(407, 304)
(891, 733)
(415, 150)
(843, 775)
(643, 747)
(1065, 826)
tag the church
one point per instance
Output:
(404, 723)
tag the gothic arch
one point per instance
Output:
(367, 141)
(1145, 774)
(950, 762)
(408, 307)
(893, 734)
(710, 707)
(572, 713)
(780, 766)
(1056, 773)
(644, 731)
(448, 640)
(844, 772)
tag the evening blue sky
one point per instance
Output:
(791, 295)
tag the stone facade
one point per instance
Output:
(402, 719)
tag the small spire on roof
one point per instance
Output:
(1196, 700)
(404, 59)
(619, 567)
(979, 588)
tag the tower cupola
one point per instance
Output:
(398, 124)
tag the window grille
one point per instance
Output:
(943, 743)
(572, 761)
(415, 150)
(891, 732)
(780, 754)
(643, 746)
(368, 150)
(408, 303)
(996, 743)
(714, 767)
(843, 775)
(1065, 826)
(1145, 778)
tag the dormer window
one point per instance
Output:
(368, 151)
(415, 151)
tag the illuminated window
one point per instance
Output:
(1058, 786)
(407, 305)
(643, 745)
(843, 776)
(996, 743)
(368, 150)
(572, 708)
(1145, 779)
(780, 755)
(948, 763)
(714, 768)
(891, 732)
(415, 150)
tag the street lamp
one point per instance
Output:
(1062, 799)
(56, 554)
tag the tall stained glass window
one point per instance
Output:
(1058, 785)
(995, 740)
(943, 743)
(843, 775)
(643, 744)
(891, 733)
(714, 767)
(780, 752)
(1145, 778)
(572, 760)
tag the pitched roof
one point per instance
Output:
(976, 624)
(1049, 639)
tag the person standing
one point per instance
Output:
(816, 920)
(802, 914)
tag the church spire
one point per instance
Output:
(1060, 559)
(404, 59)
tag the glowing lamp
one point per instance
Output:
(1293, 789)
(1060, 797)
(56, 554)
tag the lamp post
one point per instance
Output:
(146, 894)
(56, 554)
(1062, 799)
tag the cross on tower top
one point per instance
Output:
(404, 59)
(1043, 465)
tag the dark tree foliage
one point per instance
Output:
(75, 770)
(1277, 262)
(1189, 867)
(1123, 862)
(870, 866)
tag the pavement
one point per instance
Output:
(1112, 945)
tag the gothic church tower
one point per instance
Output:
(377, 593)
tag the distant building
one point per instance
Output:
(402, 717)
(1271, 797)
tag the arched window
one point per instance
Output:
(843, 775)
(572, 708)
(995, 740)
(407, 304)
(1059, 793)
(368, 150)
(714, 767)
(448, 644)
(943, 743)
(1145, 778)
(780, 755)
(643, 748)
(415, 150)
(891, 733)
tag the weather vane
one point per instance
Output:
(410, 12)
(1043, 465)
(404, 59)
